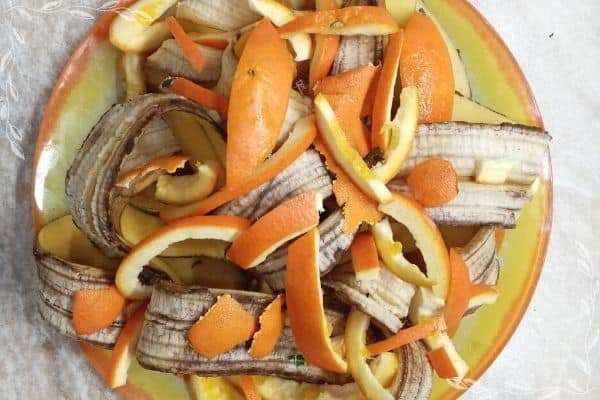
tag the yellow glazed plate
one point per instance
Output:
(89, 85)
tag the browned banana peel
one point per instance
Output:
(163, 343)
(477, 204)
(90, 183)
(59, 280)
(466, 144)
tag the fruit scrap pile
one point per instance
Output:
(284, 208)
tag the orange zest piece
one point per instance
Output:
(96, 309)
(305, 309)
(188, 46)
(442, 363)
(169, 164)
(459, 292)
(326, 47)
(425, 63)
(480, 295)
(433, 182)
(382, 108)
(357, 206)
(124, 352)
(298, 142)
(406, 336)
(259, 97)
(271, 325)
(358, 83)
(365, 258)
(225, 325)
(201, 95)
(287, 221)
(366, 20)
(249, 388)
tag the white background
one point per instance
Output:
(555, 353)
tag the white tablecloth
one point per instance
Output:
(556, 349)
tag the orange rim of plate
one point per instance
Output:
(76, 64)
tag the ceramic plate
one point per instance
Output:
(88, 87)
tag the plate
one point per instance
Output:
(89, 84)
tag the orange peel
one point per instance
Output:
(96, 309)
(124, 351)
(433, 182)
(400, 133)
(271, 326)
(357, 206)
(358, 83)
(480, 295)
(348, 115)
(428, 237)
(216, 40)
(259, 96)
(220, 227)
(188, 46)
(285, 222)
(365, 258)
(298, 142)
(384, 96)
(356, 20)
(347, 157)
(356, 352)
(326, 47)
(138, 178)
(407, 335)
(392, 254)
(426, 64)
(457, 302)
(205, 97)
(224, 326)
(304, 298)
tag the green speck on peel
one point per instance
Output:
(296, 359)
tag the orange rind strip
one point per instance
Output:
(428, 237)
(259, 96)
(365, 258)
(357, 20)
(188, 46)
(124, 351)
(384, 97)
(285, 222)
(221, 227)
(304, 298)
(168, 164)
(459, 292)
(326, 47)
(406, 336)
(201, 95)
